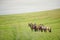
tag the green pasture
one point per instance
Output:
(15, 26)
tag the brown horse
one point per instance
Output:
(33, 27)
(43, 28)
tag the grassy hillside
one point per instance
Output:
(15, 27)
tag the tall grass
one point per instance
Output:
(15, 27)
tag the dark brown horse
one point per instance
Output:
(33, 27)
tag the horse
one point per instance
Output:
(33, 26)
(44, 28)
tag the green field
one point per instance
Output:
(15, 26)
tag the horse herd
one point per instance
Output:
(40, 27)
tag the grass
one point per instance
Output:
(15, 26)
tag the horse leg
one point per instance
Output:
(49, 30)
(41, 30)
(45, 30)
(32, 29)
(35, 30)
